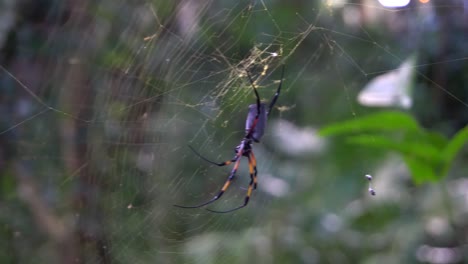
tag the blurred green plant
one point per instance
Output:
(427, 154)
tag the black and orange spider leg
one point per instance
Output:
(225, 186)
(255, 91)
(254, 165)
(249, 190)
(275, 97)
(220, 164)
(257, 115)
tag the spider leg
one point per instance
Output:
(254, 123)
(225, 186)
(275, 97)
(254, 165)
(249, 190)
(255, 91)
(212, 162)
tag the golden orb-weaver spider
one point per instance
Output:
(254, 129)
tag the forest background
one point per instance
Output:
(99, 101)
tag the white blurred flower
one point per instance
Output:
(390, 89)
(297, 141)
(274, 186)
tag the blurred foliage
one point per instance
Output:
(428, 155)
(99, 100)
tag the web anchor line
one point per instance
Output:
(40, 101)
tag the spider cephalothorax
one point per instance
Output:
(255, 125)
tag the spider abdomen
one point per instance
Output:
(259, 129)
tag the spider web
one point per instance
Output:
(104, 114)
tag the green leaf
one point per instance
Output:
(382, 121)
(436, 139)
(453, 147)
(420, 171)
(412, 148)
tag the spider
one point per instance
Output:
(254, 129)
